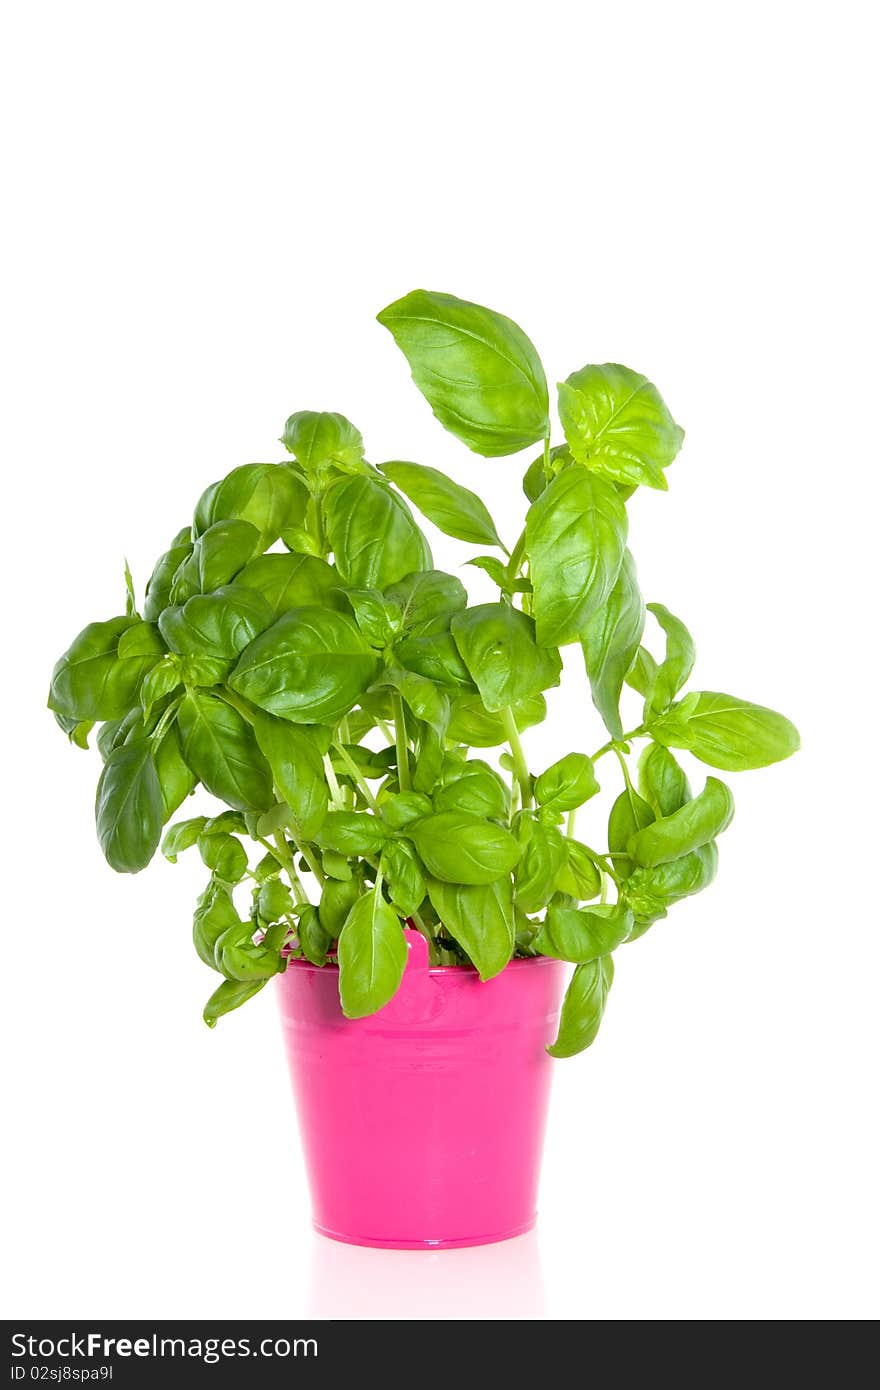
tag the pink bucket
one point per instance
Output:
(423, 1124)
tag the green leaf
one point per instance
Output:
(240, 958)
(567, 784)
(141, 640)
(542, 860)
(215, 914)
(583, 1007)
(426, 700)
(320, 437)
(398, 809)
(478, 371)
(230, 995)
(377, 618)
(218, 625)
(403, 876)
(176, 780)
(337, 898)
(292, 581)
(297, 770)
(158, 594)
(353, 832)
(471, 723)
(581, 935)
(480, 918)
(225, 855)
(274, 901)
(427, 600)
(575, 539)
(642, 675)
(497, 644)
(267, 495)
(495, 568)
(159, 682)
(313, 939)
(693, 825)
(436, 658)
(454, 510)
(726, 732)
(218, 555)
(459, 848)
(617, 424)
(182, 836)
(578, 878)
(662, 782)
(650, 891)
(629, 814)
(610, 640)
(310, 667)
(475, 788)
(128, 808)
(372, 533)
(673, 671)
(91, 681)
(219, 746)
(372, 956)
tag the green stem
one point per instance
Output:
(547, 468)
(570, 824)
(356, 776)
(159, 732)
(433, 952)
(516, 558)
(278, 849)
(380, 724)
(520, 766)
(400, 742)
(336, 797)
(612, 744)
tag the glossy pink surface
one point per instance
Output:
(423, 1125)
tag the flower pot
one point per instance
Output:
(423, 1124)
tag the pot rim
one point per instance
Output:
(300, 963)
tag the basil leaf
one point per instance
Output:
(427, 600)
(629, 814)
(240, 958)
(403, 875)
(695, 824)
(662, 782)
(436, 658)
(642, 675)
(377, 618)
(617, 423)
(176, 780)
(225, 855)
(220, 747)
(218, 555)
(398, 809)
(158, 594)
(453, 509)
(352, 832)
(182, 836)
(313, 939)
(470, 722)
(91, 681)
(215, 914)
(583, 1007)
(610, 640)
(310, 667)
(726, 732)
(292, 581)
(426, 700)
(497, 645)
(372, 956)
(274, 901)
(459, 848)
(319, 437)
(297, 770)
(480, 918)
(372, 533)
(338, 896)
(673, 671)
(218, 625)
(128, 808)
(575, 539)
(267, 495)
(478, 790)
(567, 784)
(478, 371)
(542, 860)
(578, 878)
(230, 995)
(649, 891)
(581, 935)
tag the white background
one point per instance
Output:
(207, 205)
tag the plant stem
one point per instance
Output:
(520, 766)
(159, 732)
(278, 849)
(570, 824)
(400, 742)
(547, 469)
(336, 796)
(356, 776)
(380, 724)
(613, 743)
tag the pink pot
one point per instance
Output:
(423, 1124)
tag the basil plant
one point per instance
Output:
(297, 654)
